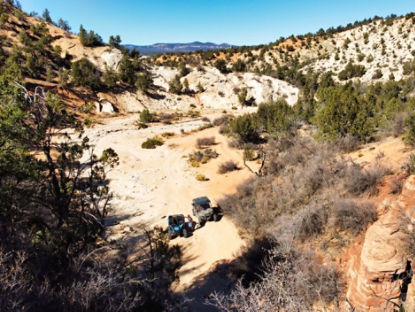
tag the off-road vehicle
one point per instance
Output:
(203, 210)
(178, 226)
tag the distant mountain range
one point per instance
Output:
(177, 47)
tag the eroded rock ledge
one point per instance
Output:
(380, 276)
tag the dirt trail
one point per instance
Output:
(148, 185)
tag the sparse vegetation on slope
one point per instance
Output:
(305, 199)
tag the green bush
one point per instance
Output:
(200, 88)
(239, 66)
(242, 96)
(90, 39)
(110, 78)
(183, 69)
(126, 71)
(249, 154)
(274, 117)
(144, 81)
(221, 66)
(201, 177)
(245, 127)
(410, 136)
(4, 18)
(352, 71)
(84, 73)
(146, 116)
(63, 77)
(408, 67)
(114, 42)
(152, 143)
(410, 165)
(87, 107)
(377, 74)
(140, 125)
(175, 86)
(343, 112)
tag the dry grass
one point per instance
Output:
(201, 177)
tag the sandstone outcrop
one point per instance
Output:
(379, 278)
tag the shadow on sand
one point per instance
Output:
(221, 279)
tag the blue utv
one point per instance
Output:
(178, 226)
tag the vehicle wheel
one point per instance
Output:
(202, 222)
(185, 234)
(215, 217)
(171, 236)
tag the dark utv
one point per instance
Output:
(178, 226)
(203, 210)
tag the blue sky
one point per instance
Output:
(233, 21)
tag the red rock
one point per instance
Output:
(377, 276)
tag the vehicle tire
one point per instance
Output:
(202, 222)
(185, 233)
(171, 236)
(215, 217)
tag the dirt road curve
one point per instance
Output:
(148, 185)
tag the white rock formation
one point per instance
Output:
(111, 59)
(105, 107)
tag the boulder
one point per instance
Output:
(105, 107)
(131, 102)
(111, 59)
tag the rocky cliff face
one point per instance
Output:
(380, 276)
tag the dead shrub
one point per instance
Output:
(92, 282)
(311, 221)
(167, 117)
(223, 120)
(396, 184)
(224, 129)
(347, 144)
(359, 180)
(207, 141)
(294, 279)
(236, 143)
(310, 176)
(351, 216)
(202, 157)
(227, 166)
(397, 126)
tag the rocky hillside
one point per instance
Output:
(207, 87)
(382, 46)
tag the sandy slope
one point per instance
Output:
(392, 151)
(148, 185)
